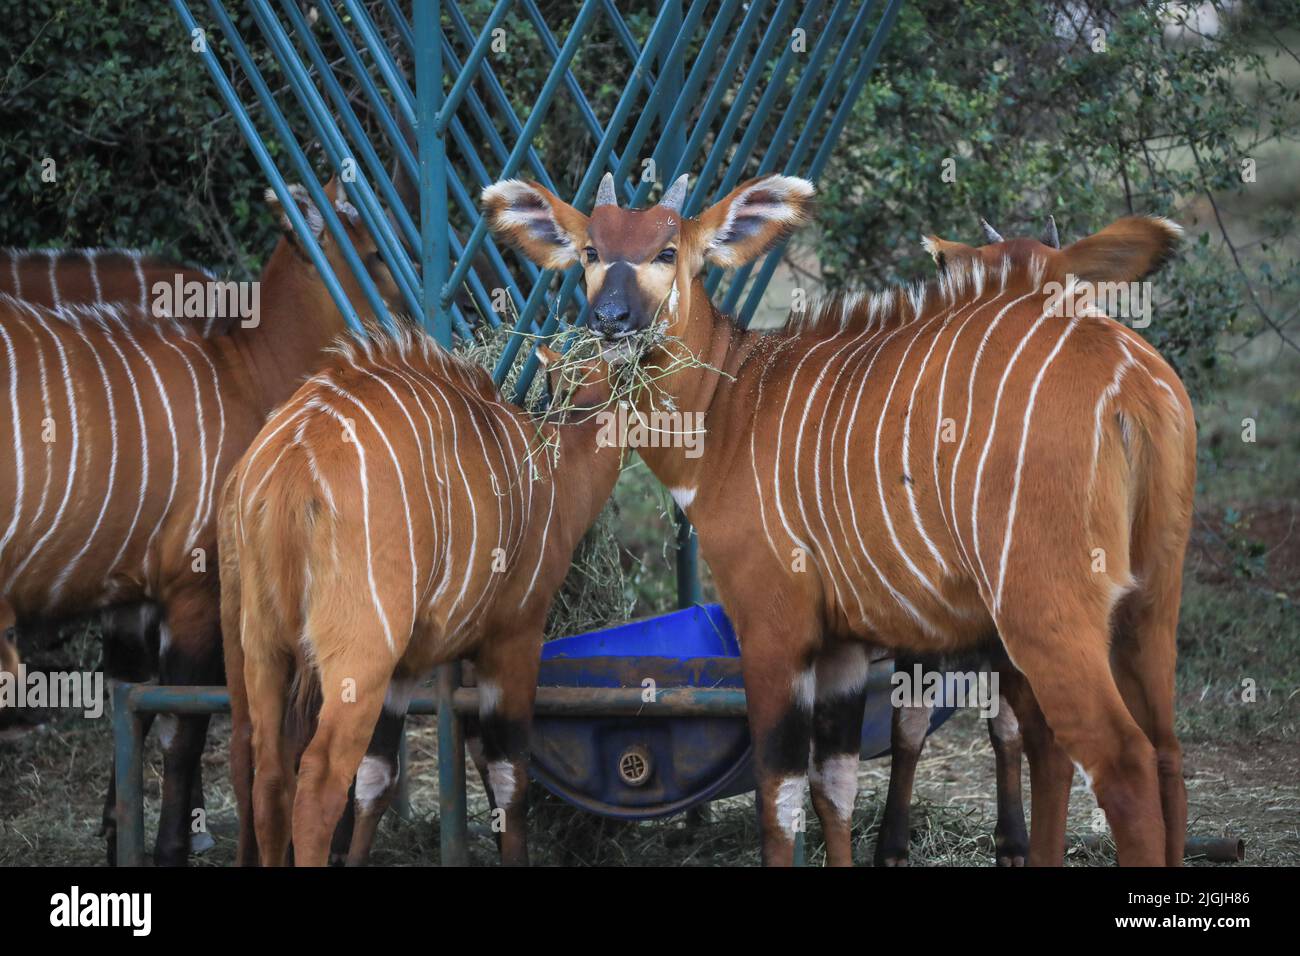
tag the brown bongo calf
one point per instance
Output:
(122, 427)
(392, 515)
(981, 456)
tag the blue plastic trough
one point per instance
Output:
(645, 766)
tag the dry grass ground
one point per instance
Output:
(53, 778)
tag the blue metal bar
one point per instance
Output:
(570, 81)
(324, 205)
(678, 152)
(435, 250)
(484, 122)
(810, 74)
(829, 87)
(535, 118)
(673, 139)
(128, 778)
(552, 701)
(766, 102)
(379, 107)
(498, 94)
(470, 67)
(683, 29)
(855, 88)
(278, 184)
(404, 31)
(349, 117)
(703, 125)
(397, 84)
(700, 194)
(624, 36)
(749, 141)
(338, 149)
(842, 113)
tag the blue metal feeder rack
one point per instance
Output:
(699, 89)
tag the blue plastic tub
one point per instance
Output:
(644, 767)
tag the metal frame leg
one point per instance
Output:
(128, 771)
(453, 820)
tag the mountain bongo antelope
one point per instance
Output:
(126, 278)
(392, 515)
(920, 469)
(122, 427)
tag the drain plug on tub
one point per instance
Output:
(635, 766)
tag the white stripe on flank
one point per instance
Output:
(753, 455)
(1107, 394)
(16, 419)
(47, 415)
(880, 485)
(856, 346)
(970, 406)
(213, 486)
(988, 439)
(365, 518)
(419, 445)
(72, 470)
(314, 467)
(401, 484)
(779, 460)
(289, 412)
(541, 542)
(419, 380)
(18, 282)
(68, 568)
(1020, 462)
(907, 438)
(201, 424)
(454, 453)
(938, 415)
(144, 455)
(921, 620)
(853, 344)
(171, 430)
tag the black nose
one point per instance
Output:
(611, 317)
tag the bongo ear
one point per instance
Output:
(754, 217)
(1125, 251)
(545, 228)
